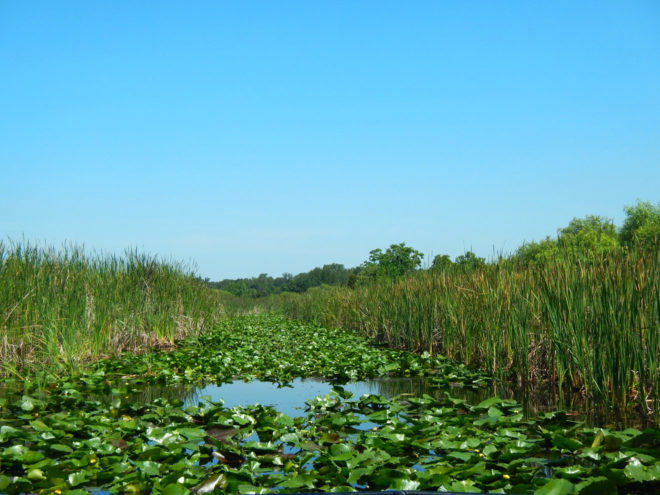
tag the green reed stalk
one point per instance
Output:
(61, 307)
(590, 324)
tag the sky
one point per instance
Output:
(252, 137)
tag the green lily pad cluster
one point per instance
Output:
(270, 347)
(69, 444)
(70, 438)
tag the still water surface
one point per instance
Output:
(291, 399)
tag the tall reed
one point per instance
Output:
(60, 307)
(585, 324)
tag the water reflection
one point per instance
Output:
(149, 393)
(291, 399)
(533, 400)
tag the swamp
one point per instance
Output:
(298, 247)
(306, 408)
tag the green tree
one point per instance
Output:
(442, 262)
(395, 261)
(593, 234)
(642, 224)
(534, 252)
(470, 261)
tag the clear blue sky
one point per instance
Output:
(274, 137)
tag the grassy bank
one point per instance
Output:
(62, 307)
(583, 324)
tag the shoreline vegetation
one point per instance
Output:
(84, 335)
(580, 311)
(91, 433)
(63, 308)
(589, 326)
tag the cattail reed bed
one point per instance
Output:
(584, 324)
(62, 307)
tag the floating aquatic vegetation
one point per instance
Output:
(269, 347)
(70, 439)
(67, 442)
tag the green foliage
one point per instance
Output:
(537, 252)
(642, 225)
(270, 347)
(61, 308)
(395, 261)
(264, 285)
(586, 237)
(442, 262)
(592, 234)
(68, 441)
(470, 261)
(331, 274)
(587, 326)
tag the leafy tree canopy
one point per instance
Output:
(395, 261)
(265, 285)
(470, 261)
(537, 251)
(642, 224)
(442, 262)
(586, 236)
(592, 233)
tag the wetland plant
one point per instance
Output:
(586, 324)
(63, 440)
(63, 307)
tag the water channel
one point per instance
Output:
(291, 398)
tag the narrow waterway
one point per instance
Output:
(291, 399)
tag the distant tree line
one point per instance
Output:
(587, 237)
(265, 285)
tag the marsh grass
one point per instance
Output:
(589, 325)
(62, 307)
